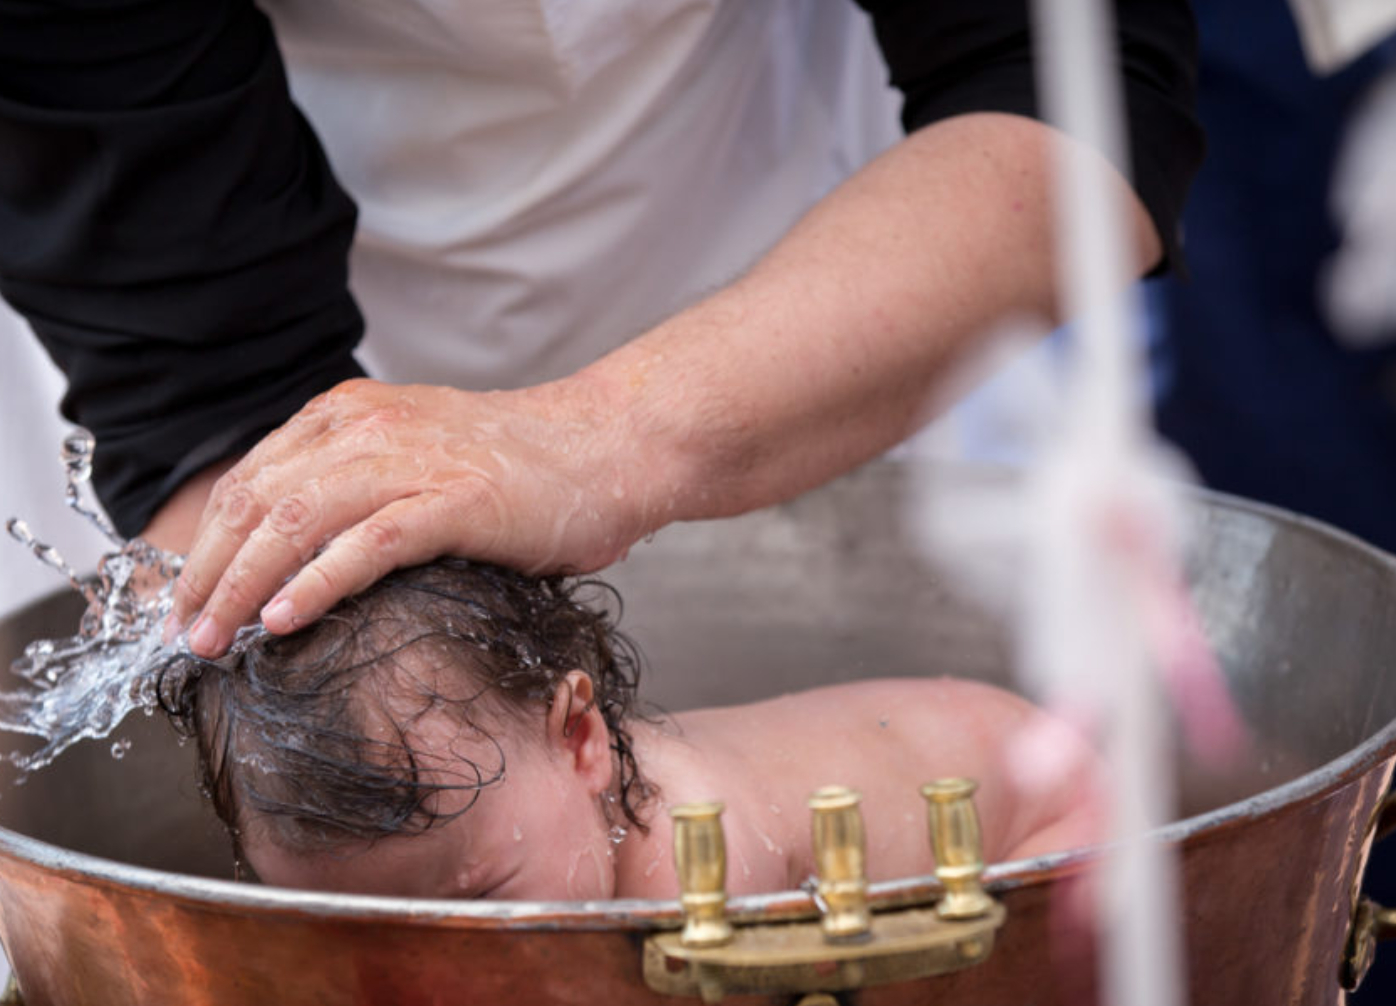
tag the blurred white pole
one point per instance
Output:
(1087, 636)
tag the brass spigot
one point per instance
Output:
(700, 854)
(849, 948)
(958, 846)
(840, 859)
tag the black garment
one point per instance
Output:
(174, 234)
(949, 57)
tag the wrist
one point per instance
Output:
(641, 441)
(588, 427)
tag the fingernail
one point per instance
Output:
(203, 638)
(279, 615)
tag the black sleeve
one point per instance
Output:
(949, 57)
(171, 230)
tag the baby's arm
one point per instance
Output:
(1081, 826)
(1054, 775)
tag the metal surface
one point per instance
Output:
(11, 996)
(108, 889)
(1371, 923)
(700, 857)
(958, 846)
(840, 860)
(792, 958)
(849, 948)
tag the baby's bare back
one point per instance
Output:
(885, 738)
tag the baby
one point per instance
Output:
(462, 731)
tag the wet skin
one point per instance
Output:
(545, 832)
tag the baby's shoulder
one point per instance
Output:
(923, 696)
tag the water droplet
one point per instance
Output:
(119, 749)
(50, 556)
(77, 447)
(616, 834)
(518, 833)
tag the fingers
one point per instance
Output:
(234, 509)
(276, 473)
(251, 547)
(293, 437)
(257, 566)
(233, 512)
(403, 533)
(382, 534)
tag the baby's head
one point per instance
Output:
(456, 730)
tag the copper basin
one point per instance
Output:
(115, 882)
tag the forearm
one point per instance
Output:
(835, 344)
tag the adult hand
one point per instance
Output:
(371, 476)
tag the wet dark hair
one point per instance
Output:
(281, 726)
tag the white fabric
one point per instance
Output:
(539, 182)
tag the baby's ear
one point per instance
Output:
(577, 731)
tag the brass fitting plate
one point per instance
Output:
(794, 958)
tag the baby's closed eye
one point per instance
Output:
(483, 885)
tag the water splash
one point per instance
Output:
(83, 686)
